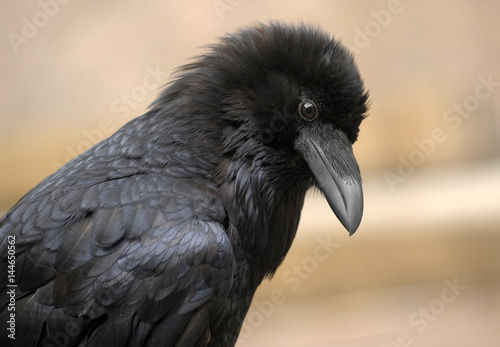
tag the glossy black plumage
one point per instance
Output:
(160, 234)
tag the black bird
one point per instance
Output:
(160, 234)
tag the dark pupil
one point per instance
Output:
(308, 110)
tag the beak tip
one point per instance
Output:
(354, 215)
(353, 229)
(345, 198)
(352, 225)
(353, 208)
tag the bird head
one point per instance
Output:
(291, 98)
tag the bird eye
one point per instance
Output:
(308, 110)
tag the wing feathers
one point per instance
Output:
(146, 271)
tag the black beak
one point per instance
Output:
(328, 152)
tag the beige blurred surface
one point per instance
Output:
(429, 151)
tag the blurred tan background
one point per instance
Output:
(424, 267)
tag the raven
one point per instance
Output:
(160, 234)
